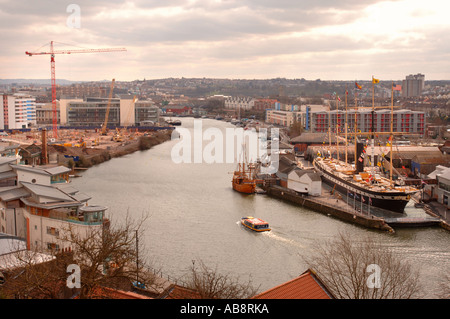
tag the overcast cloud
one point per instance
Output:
(327, 39)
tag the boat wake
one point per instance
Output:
(276, 237)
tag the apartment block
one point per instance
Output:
(287, 114)
(264, 104)
(17, 111)
(239, 103)
(283, 118)
(413, 85)
(403, 121)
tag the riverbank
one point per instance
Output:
(83, 158)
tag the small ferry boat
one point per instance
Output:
(255, 224)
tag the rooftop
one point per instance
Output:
(45, 170)
(306, 286)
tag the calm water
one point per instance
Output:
(194, 214)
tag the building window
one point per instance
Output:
(53, 246)
(52, 231)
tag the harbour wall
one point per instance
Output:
(320, 206)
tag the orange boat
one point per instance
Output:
(255, 224)
(244, 177)
(243, 184)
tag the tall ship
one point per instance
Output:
(244, 176)
(364, 184)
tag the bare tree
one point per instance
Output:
(107, 255)
(444, 288)
(32, 274)
(210, 284)
(364, 270)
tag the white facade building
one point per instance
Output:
(42, 206)
(305, 181)
(17, 111)
(239, 103)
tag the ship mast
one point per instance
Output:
(356, 123)
(392, 130)
(337, 127)
(345, 127)
(372, 128)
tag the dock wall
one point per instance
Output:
(321, 207)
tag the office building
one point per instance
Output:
(124, 110)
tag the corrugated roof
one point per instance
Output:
(43, 170)
(58, 170)
(306, 286)
(13, 194)
(6, 175)
(312, 174)
(47, 191)
(7, 159)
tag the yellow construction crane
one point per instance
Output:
(107, 107)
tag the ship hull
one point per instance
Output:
(391, 201)
(244, 187)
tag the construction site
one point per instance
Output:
(80, 149)
(85, 133)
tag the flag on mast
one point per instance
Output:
(375, 81)
(359, 87)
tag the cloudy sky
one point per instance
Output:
(253, 39)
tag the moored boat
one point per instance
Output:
(255, 224)
(375, 191)
(243, 178)
(359, 183)
(242, 184)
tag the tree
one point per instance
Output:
(296, 129)
(210, 284)
(34, 275)
(107, 256)
(364, 270)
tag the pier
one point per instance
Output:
(331, 207)
(337, 207)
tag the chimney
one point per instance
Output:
(44, 155)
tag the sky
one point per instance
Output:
(236, 39)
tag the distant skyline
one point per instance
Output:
(246, 39)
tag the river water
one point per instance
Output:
(194, 215)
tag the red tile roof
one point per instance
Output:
(179, 292)
(109, 293)
(306, 286)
